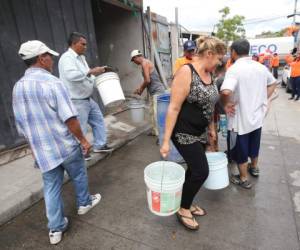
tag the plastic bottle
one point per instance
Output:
(223, 125)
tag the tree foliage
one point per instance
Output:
(268, 34)
(230, 28)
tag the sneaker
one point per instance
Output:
(56, 236)
(297, 99)
(95, 200)
(103, 149)
(291, 98)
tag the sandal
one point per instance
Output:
(253, 171)
(235, 179)
(196, 209)
(181, 217)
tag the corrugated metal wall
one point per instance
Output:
(160, 34)
(49, 21)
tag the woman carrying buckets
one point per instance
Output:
(190, 113)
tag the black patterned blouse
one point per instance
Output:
(196, 111)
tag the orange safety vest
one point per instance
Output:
(179, 63)
(275, 61)
(295, 68)
(289, 58)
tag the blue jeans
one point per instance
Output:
(53, 181)
(90, 113)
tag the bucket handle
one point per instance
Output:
(162, 176)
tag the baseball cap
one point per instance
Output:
(189, 45)
(134, 53)
(34, 48)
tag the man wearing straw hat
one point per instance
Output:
(79, 79)
(46, 117)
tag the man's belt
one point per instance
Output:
(73, 99)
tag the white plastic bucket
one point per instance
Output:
(137, 110)
(218, 171)
(109, 87)
(164, 181)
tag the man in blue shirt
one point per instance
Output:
(80, 80)
(46, 117)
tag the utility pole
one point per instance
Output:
(177, 23)
(295, 12)
(150, 33)
(175, 38)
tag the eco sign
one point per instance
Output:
(257, 49)
(280, 45)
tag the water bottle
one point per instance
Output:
(223, 125)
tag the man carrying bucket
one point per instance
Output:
(245, 92)
(152, 82)
(79, 79)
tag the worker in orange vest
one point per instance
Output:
(275, 65)
(189, 51)
(289, 58)
(295, 78)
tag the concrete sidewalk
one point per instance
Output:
(267, 217)
(21, 185)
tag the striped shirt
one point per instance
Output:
(41, 106)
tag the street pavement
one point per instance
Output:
(267, 217)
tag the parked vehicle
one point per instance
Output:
(286, 72)
(281, 45)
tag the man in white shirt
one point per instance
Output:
(79, 79)
(245, 92)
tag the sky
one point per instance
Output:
(200, 15)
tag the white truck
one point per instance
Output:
(280, 45)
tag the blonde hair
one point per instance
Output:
(214, 44)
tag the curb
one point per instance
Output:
(34, 193)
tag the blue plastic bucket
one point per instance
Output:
(163, 102)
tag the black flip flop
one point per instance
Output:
(181, 217)
(198, 210)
